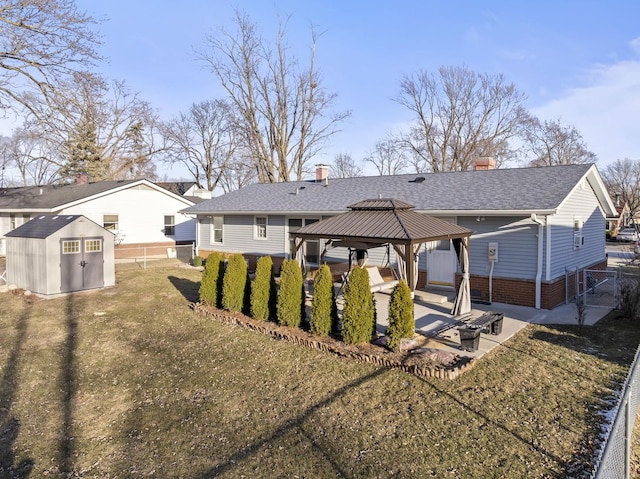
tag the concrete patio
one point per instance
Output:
(432, 311)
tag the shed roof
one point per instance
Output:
(42, 226)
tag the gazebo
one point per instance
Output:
(373, 223)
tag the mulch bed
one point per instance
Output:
(416, 359)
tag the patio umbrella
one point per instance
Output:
(462, 303)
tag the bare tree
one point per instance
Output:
(26, 153)
(388, 158)
(204, 140)
(344, 166)
(282, 109)
(102, 129)
(239, 172)
(42, 43)
(459, 115)
(551, 143)
(623, 178)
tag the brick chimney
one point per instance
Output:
(82, 179)
(322, 173)
(484, 163)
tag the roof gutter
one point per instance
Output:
(540, 224)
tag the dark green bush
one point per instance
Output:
(359, 313)
(211, 284)
(324, 312)
(401, 321)
(629, 298)
(197, 260)
(234, 284)
(291, 294)
(263, 290)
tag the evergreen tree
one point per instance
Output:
(263, 290)
(234, 284)
(211, 284)
(324, 312)
(359, 313)
(291, 294)
(401, 320)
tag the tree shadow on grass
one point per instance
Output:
(189, 289)
(10, 425)
(68, 386)
(296, 424)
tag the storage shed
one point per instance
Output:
(54, 254)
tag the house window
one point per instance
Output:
(12, 222)
(92, 245)
(70, 247)
(169, 225)
(216, 229)
(310, 248)
(578, 239)
(110, 222)
(26, 218)
(260, 227)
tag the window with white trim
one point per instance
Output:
(216, 229)
(578, 239)
(70, 246)
(92, 245)
(12, 222)
(110, 222)
(260, 229)
(169, 225)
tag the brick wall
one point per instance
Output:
(523, 292)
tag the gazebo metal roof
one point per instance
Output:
(382, 221)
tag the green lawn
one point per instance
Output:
(130, 382)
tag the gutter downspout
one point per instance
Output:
(540, 224)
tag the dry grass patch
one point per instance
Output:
(149, 388)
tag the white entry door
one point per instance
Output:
(440, 263)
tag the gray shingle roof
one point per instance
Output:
(42, 226)
(50, 197)
(516, 189)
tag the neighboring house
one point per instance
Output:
(622, 217)
(144, 217)
(188, 189)
(531, 226)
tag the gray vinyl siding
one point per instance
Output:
(517, 246)
(238, 235)
(583, 203)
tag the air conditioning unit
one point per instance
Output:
(578, 241)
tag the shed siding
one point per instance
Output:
(27, 264)
(583, 203)
(517, 246)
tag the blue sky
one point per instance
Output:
(578, 61)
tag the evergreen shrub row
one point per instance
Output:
(230, 288)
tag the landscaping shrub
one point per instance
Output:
(401, 321)
(234, 284)
(263, 290)
(211, 283)
(629, 298)
(290, 304)
(358, 315)
(197, 261)
(324, 312)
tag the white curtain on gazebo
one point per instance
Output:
(462, 303)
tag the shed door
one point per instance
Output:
(81, 264)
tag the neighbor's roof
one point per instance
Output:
(42, 226)
(500, 191)
(381, 221)
(49, 198)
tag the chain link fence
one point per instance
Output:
(614, 461)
